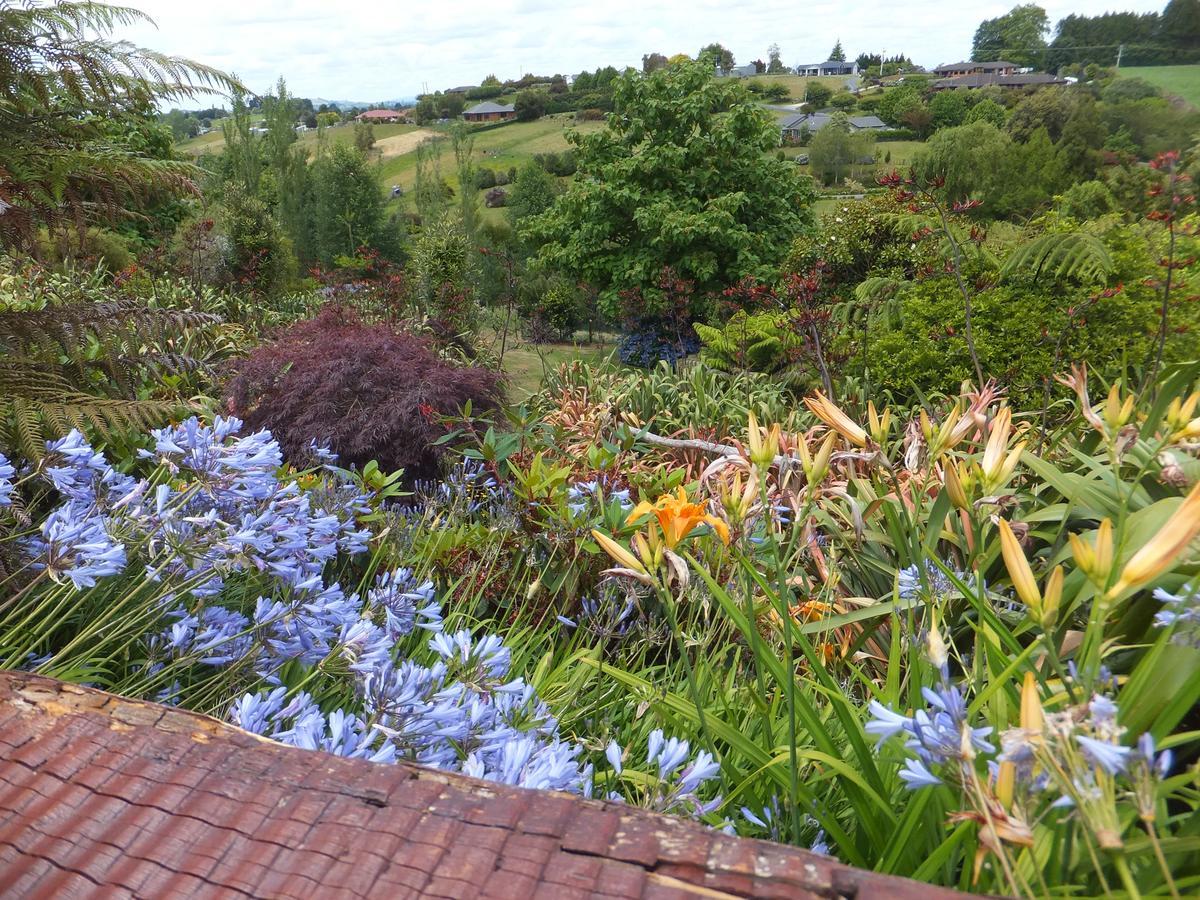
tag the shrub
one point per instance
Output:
(368, 392)
(1017, 327)
(590, 115)
(485, 178)
(1087, 200)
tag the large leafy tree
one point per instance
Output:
(1018, 36)
(680, 178)
(66, 87)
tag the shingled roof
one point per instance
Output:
(105, 796)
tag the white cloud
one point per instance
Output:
(374, 50)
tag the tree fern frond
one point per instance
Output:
(1072, 255)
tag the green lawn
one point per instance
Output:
(527, 364)
(214, 141)
(798, 84)
(1182, 81)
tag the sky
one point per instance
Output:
(370, 50)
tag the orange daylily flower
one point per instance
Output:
(678, 517)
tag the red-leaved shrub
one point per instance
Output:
(365, 391)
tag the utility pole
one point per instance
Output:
(1120, 53)
(882, 57)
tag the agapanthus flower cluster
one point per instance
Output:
(7, 473)
(605, 616)
(468, 490)
(585, 495)
(1181, 612)
(936, 586)
(679, 779)
(939, 736)
(225, 510)
(463, 713)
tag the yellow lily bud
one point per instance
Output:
(997, 443)
(820, 462)
(926, 427)
(829, 413)
(1019, 571)
(754, 436)
(954, 486)
(1116, 413)
(879, 426)
(1006, 778)
(1052, 598)
(935, 646)
(1032, 717)
(1157, 556)
(1094, 560)
(617, 552)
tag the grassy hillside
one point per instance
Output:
(798, 84)
(1182, 81)
(495, 148)
(214, 142)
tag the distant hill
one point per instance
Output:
(363, 104)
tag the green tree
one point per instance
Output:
(987, 110)
(835, 150)
(1017, 36)
(531, 105)
(948, 108)
(1179, 28)
(532, 193)
(837, 54)
(680, 178)
(651, 62)
(287, 163)
(817, 95)
(775, 64)
(897, 101)
(364, 136)
(348, 206)
(717, 56)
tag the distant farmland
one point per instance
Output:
(1182, 81)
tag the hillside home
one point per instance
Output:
(1028, 79)
(490, 112)
(995, 67)
(745, 71)
(381, 116)
(829, 67)
(795, 127)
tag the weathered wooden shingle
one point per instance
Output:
(101, 796)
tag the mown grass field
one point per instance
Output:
(214, 141)
(1182, 81)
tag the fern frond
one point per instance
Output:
(1072, 255)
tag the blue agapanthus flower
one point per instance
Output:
(7, 473)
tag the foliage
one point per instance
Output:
(836, 152)
(986, 110)
(446, 277)
(1019, 36)
(348, 206)
(69, 97)
(76, 352)
(1087, 200)
(670, 182)
(367, 392)
(530, 105)
(758, 342)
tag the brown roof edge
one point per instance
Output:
(104, 795)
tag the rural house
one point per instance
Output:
(796, 127)
(995, 68)
(490, 112)
(380, 116)
(745, 71)
(829, 67)
(978, 80)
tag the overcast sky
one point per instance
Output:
(374, 50)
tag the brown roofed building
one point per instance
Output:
(490, 112)
(106, 797)
(377, 116)
(994, 67)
